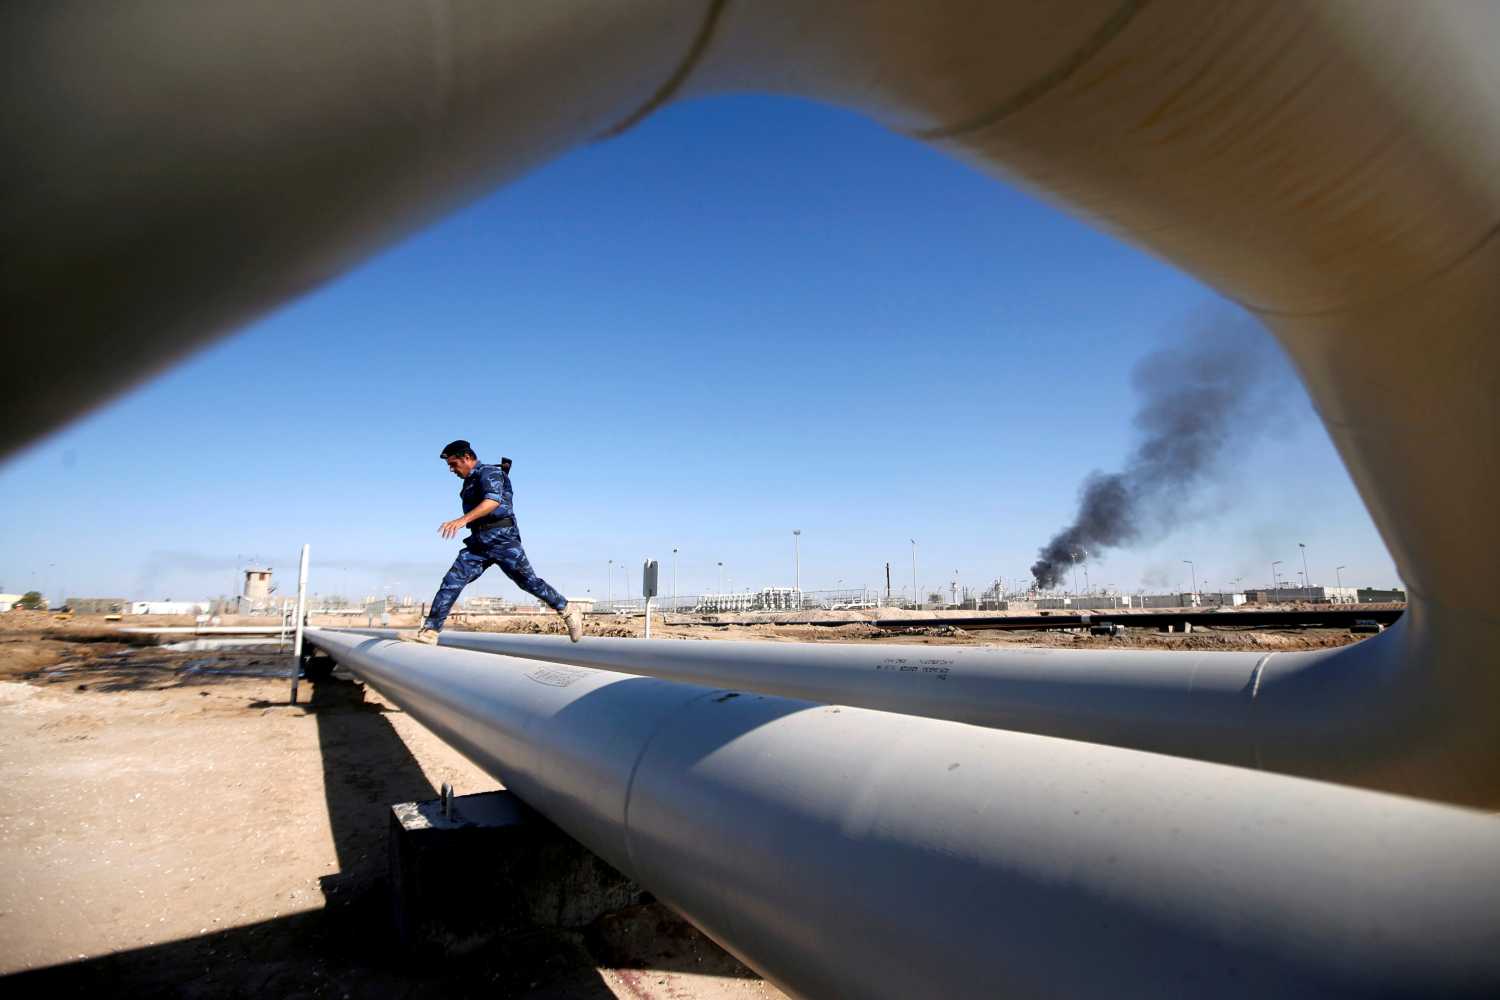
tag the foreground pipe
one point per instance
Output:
(1185, 703)
(1323, 714)
(843, 852)
(175, 168)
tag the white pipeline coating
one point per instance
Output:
(1192, 704)
(845, 852)
(1336, 714)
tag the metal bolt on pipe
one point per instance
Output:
(846, 852)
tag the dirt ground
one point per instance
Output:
(172, 826)
(1225, 637)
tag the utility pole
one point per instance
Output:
(674, 579)
(1275, 580)
(888, 584)
(797, 559)
(1306, 576)
(609, 588)
(914, 597)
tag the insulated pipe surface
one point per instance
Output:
(845, 852)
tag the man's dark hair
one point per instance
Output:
(458, 449)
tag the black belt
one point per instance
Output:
(499, 522)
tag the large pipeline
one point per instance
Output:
(845, 852)
(175, 170)
(1250, 709)
(178, 169)
(1335, 714)
(1342, 617)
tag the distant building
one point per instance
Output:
(1084, 602)
(1327, 595)
(169, 608)
(257, 585)
(1101, 602)
(97, 605)
(488, 605)
(766, 599)
(1279, 595)
(1187, 600)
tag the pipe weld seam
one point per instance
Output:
(1253, 687)
(635, 767)
(1044, 84)
(1385, 298)
(673, 83)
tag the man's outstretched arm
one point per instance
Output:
(450, 528)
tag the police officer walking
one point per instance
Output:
(493, 540)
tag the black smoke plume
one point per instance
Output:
(1196, 397)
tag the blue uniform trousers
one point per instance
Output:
(495, 547)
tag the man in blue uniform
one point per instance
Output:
(493, 540)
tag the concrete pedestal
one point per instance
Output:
(491, 869)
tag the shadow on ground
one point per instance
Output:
(348, 948)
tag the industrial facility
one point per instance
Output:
(889, 818)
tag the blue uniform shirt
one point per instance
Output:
(486, 482)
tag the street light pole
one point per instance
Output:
(1194, 570)
(609, 588)
(674, 579)
(797, 559)
(914, 601)
(1306, 576)
(721, 576)
(1275, 580)
(1338, 572)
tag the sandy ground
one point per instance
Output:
(1226, 637)
(171, 826)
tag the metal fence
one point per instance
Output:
(784, 600)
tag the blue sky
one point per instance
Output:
(746, 316)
